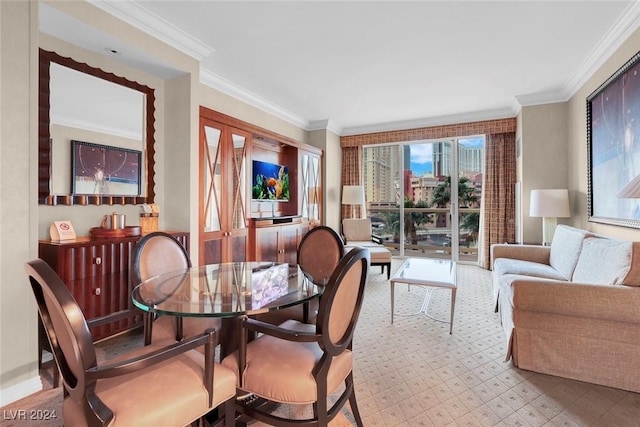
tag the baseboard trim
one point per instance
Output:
(18, 391)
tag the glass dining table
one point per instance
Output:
(228, 291)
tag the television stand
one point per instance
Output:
(276, 239)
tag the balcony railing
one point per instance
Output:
(427, 231)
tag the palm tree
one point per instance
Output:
(442, 194)
(412, 220)
(467, 196)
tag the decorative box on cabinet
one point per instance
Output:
(97, 272)
(276, 239)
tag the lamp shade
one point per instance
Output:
(550, 203)
(352, 195)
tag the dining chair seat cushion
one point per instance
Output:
(292, 363)
(143, 398)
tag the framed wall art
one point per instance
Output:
(613, 140)
(105, 170)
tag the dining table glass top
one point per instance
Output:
(225, 290)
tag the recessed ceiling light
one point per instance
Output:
(112, 51)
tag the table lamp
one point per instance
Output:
(353, 195)
(550, 205)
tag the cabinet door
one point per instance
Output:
(268, 244)
(211, 191)
(236, 244)
(311, 188)
(290, 236)
(223, 192)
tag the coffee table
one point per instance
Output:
(431, 273)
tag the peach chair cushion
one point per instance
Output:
(143, 398)
(319, 254)
(270, 354)
(160, 255)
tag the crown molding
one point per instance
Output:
(620, 31)
(225, 86)
(326, 124)
(137, 16)
(540, 98)
(431, 121)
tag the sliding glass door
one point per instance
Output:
(424, 198)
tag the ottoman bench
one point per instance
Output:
(379, 256)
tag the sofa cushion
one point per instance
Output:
(503, 266)
(565, 249)
(603, 261)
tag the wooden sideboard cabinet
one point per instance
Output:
(277, 239)
(97, 271)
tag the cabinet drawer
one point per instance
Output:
(101, 295)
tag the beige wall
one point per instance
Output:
(543, 159)
(18, 105)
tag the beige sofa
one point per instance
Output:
(572, 309)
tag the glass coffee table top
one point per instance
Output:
(431, 273)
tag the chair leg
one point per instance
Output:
(148, 325)
(56, 374)
(230, 412)
(320, 407)
(353, 402)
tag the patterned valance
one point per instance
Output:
(485, 127)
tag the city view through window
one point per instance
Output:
(424, 198)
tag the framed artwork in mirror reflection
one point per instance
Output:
(613, 143)
(104, 170)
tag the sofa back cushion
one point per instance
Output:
(604, 261)
(565, 249)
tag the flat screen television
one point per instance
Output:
(270, 182)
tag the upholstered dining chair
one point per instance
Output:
(298, 363)
(152, 385)
(158, 253)
(319, 252)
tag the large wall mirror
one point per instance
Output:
(111, 118)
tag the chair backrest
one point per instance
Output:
(341, 301)
(356, 229)
(65, 325)
(158, 253)
(319, 252)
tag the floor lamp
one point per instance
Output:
(550, 205)
(353, 195)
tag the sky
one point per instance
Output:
(421, 155)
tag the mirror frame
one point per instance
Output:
(44, 136)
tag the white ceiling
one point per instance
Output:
(358, 66)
